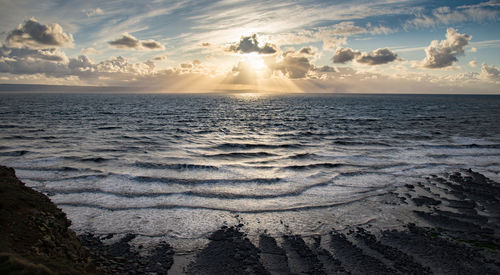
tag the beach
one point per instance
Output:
(455, 230)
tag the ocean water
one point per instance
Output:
(180, 166)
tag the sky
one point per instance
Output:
(376, 46)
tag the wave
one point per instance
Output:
(303, 156)
(59, 169)
(108, 127)
(14, 153)
(360, 143)
(450, 156)
(201, 194)
(96, 159)
(175, 166)
(49, 137)
(231, 146)
(230, 210)
(462, 146)
(240, 155)
(16, 137)
(313, 166)
(107, 150)
(204, 181)
(89, 177)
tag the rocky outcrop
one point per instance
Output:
(34, 234)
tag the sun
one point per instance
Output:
(256, 62)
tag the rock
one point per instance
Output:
(34, 233)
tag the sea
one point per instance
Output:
(181, 166)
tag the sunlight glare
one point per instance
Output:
(256, 62)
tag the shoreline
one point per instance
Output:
(455, 230)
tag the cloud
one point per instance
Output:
(329, 44)
(447, 16)
(54, 63)
(54, 55)
(115, 68)
(307, 51)
(206, 44)
(444, 53)
(490, 72)
(294, 65)
(473, 63)
(243, 73)
(127, 41)
(152, 45)
(326, 69)
(160, 58)
(93, 12)
(331, 36)
(250, 44)
(29, 67)
(343, 55)
(32, 61)
(491, 3)
(377, 57)
(81, 63)
(34, 35)
(90, 51)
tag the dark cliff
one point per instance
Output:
(34, 233)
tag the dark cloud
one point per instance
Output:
(250, 44)
(151, 44)
(294, 66)
(127, 41)
(443, 54)
(307, 51)
(55, 55)
(325, 69)
(160, 58)
(377, 57)
(32, 34)
(32, 61)
(343, 55)
(186, 66)
(27, 66)
(206, 44)
(80, 63)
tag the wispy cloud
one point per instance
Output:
(93, 12)
(446, 15)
